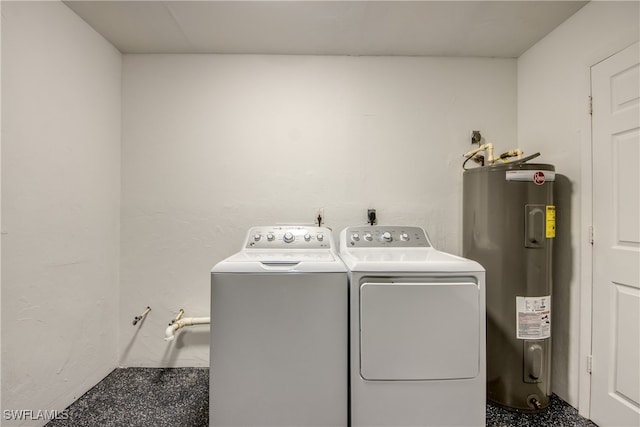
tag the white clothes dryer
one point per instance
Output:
(417, 330)
(279, 334)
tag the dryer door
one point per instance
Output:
(419, 330)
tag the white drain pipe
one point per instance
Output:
(484, 147)
(169, 334)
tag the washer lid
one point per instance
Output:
(294, 261)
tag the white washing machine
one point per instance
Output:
(417, 330)
(279, 334)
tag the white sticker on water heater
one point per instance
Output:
(533, 317)
(538, 177)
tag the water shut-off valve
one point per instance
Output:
(141, 316)
(488, 158)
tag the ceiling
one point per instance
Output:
(416, 28)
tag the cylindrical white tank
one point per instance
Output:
(508, 227)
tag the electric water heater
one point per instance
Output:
(508, 227)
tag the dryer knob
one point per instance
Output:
(368, 237)
(320, 237)
(270, 237)
(386, 236)
(404, 237)
(257, 237)
(355, 237)
(307, 237)
(288, 237)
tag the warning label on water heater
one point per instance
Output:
(550, 222)
(533, 317)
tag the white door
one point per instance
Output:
(615, 380)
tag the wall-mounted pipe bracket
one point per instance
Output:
(142, 316)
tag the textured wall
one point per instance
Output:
(61, 100)
(215, 144)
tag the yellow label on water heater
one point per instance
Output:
(551, 222)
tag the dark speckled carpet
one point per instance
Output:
(155, 397)
(143, 397)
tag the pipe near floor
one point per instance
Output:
(179, 324)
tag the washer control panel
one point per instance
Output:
(288, 237)
(386, 237)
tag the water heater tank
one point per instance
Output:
(508, 227)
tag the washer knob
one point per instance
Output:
(270, 237)
(307, 237)
(368, 237)
(404, 237)
(386, 236)
(257, 237)
(355, 237)
(320, 237)
(288, 237)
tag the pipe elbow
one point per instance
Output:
(169, 333)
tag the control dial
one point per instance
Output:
(404, 236)
(270, 237)
(355, 237)
(307, 237)
(288, 237)
(368, 237)
(257, 237)
(320, 237)
(386, 236)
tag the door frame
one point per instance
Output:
(586, 255)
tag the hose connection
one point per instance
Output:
(534, 401)
(141, 316)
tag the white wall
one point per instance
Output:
(553, 91)
(1, 133)
(61, 85)
(215, 144)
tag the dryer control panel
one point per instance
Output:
(289, 237)
(386, 237)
